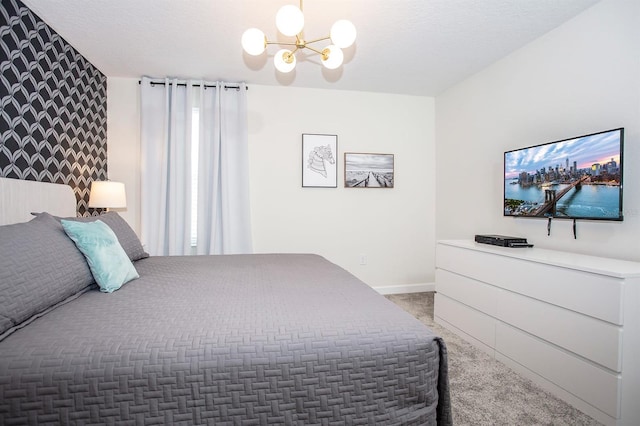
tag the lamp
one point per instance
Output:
(107, 194)
(290, 22)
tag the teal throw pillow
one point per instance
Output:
(107, 260)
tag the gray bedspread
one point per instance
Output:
(242, 339)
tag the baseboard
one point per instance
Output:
(406, 288)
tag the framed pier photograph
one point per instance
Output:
(362, 170)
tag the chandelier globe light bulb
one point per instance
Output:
(290, 20)
(332, 57)
(343, 33)
(254, 41)
(284, 61)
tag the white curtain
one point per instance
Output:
(223, 213)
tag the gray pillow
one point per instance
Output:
(39, 267)
(126, 237)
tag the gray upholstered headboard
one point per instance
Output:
(18, 198)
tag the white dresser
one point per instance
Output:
(569, 322)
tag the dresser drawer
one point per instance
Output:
(471, 321)
(468, 291)
(596, 340)
(592, 384)
(592, 294)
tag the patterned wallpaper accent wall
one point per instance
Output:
(53, 106)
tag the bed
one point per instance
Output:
(235, 339)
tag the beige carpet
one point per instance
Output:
(485, 391)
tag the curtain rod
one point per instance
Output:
(162, 83)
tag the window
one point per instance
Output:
(195, 137)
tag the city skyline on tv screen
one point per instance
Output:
(586, 151)
(574, 178)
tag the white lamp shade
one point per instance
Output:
(281, 64)
(107, 194)
(343, 33)
(334, 57)
(254, 41)
(290, 20)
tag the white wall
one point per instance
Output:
(123, 142)
(394, 228)
(583, 77)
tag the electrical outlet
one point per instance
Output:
(363, 259)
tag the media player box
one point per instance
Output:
(503, 241)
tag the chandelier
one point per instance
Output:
(290, 22)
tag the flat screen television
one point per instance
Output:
(577, 178)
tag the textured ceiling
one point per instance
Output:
(418, 47)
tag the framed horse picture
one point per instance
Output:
(319, 165)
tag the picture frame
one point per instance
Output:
(319, 164)
(368, 170)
